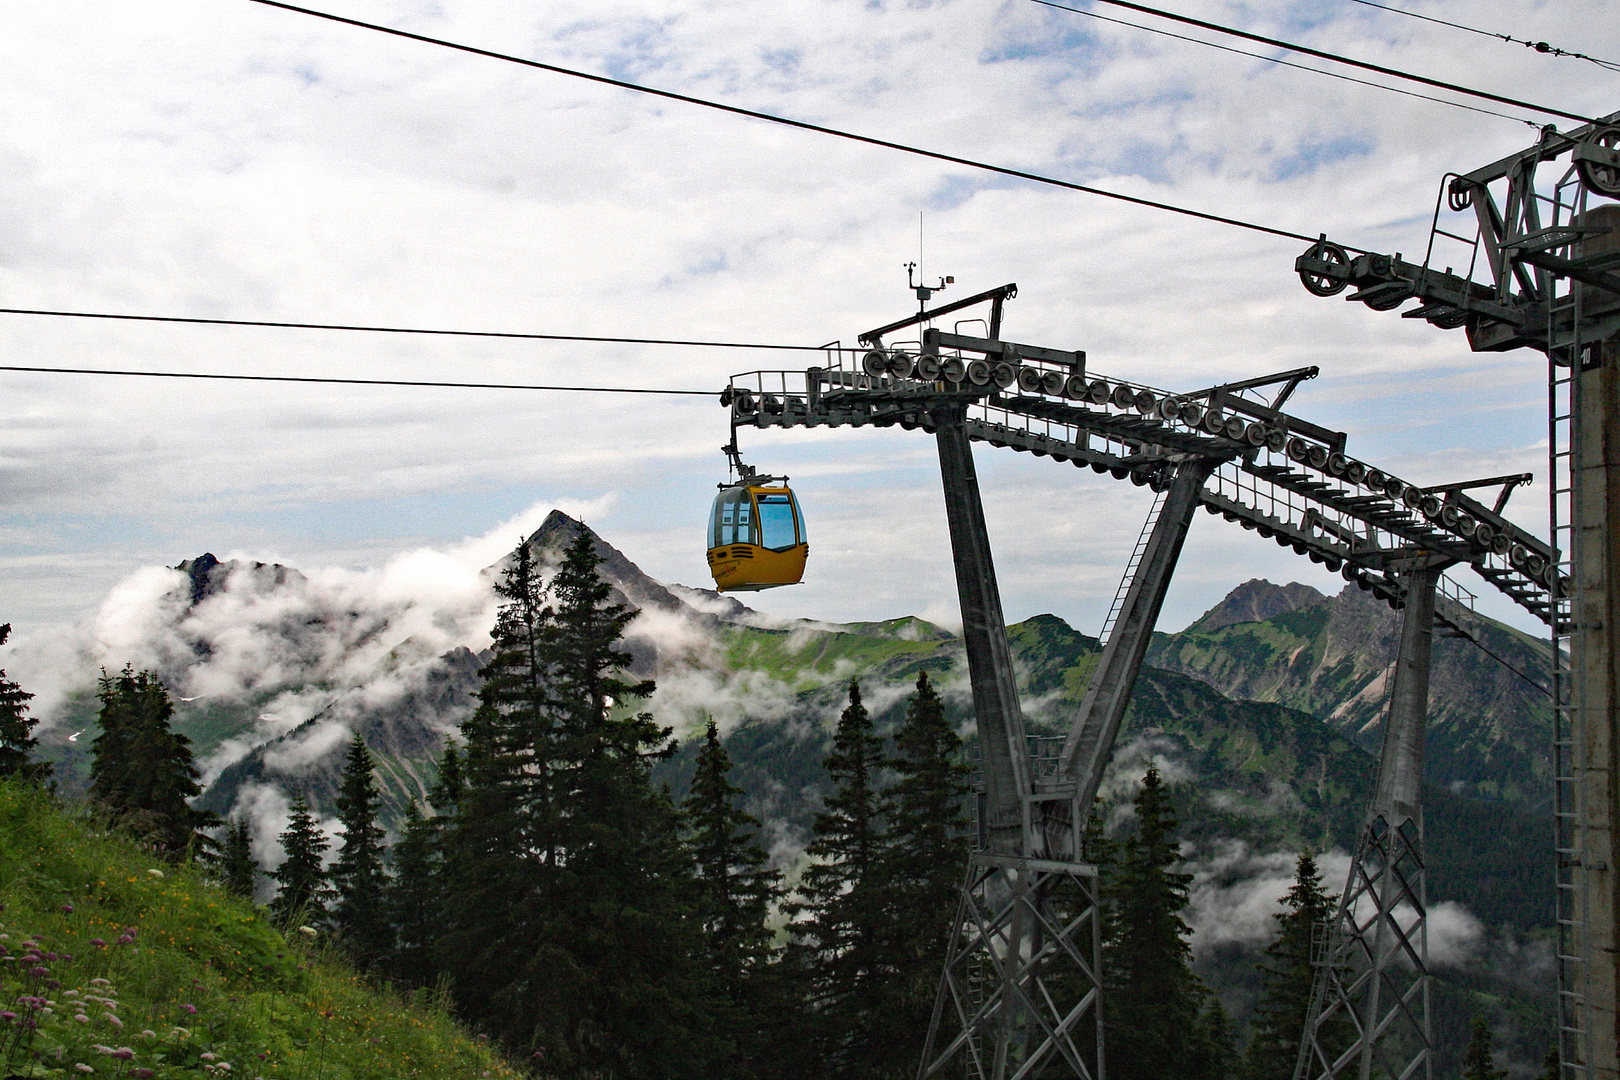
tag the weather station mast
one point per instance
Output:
(1530, 250)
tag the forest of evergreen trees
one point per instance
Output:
(596, 927)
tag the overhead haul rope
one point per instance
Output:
(1284, 63)
(802, 125)
(1336, 58)
(356, 382)
(407, 330)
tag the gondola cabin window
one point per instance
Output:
(733, 519)
(778, 523)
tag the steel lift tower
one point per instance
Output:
(1020, 993)
(1540, 248)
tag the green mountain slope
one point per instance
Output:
(173, 978)
(1488, 724)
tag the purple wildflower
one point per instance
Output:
(192, 1009)
(67, 909)
(98, 943)
(8, 1016)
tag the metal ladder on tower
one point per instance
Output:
(1562, 391)
(1131, 565)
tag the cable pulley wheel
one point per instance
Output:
(1602, 177)
(953, 369)
(1099, 392)
(928, 367)
(1256, 435)
(1003, 374)
(1318, 284)
(900, 364)
(1029, 380)
(978, 373)
(1053, 383)
(875, 363)
(1123, 397)
(1076, 388)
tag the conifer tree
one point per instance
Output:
(1479, 1060)
(359, 913)
(236, 863)
(1155, 1006)
(413, 898)
(734, 890)
(143, 770)
(1287, 977)
(569, 929)
(415, 892)
(1551, 1067)
(734, 887)
(17, 741)
(842, 921)
(925, 854)
(304, 888)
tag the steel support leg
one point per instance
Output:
(1021, 991)
(1003, 750)
(1091, 735)
(1369, 1015)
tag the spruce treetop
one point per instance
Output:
(17, 741)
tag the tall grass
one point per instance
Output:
(114, 963)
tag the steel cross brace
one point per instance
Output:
(1022, 979)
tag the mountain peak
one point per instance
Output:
(209, 575)
(547, 544)
(1255, 601)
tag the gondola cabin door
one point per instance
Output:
(756, 538)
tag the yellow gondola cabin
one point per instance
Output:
(756, 536)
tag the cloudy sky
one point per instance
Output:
(219, 158)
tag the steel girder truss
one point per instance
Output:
(1279, 475)
(1021, 991)
(1369, 1015)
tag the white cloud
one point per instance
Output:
(203, 159)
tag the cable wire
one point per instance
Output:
(1336, 58)
(357, 382)
(407, 330)
(1539, 46)
(802, 125)
(1285, 63)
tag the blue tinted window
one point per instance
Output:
(776, 522)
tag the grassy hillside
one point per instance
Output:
(114, 963)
